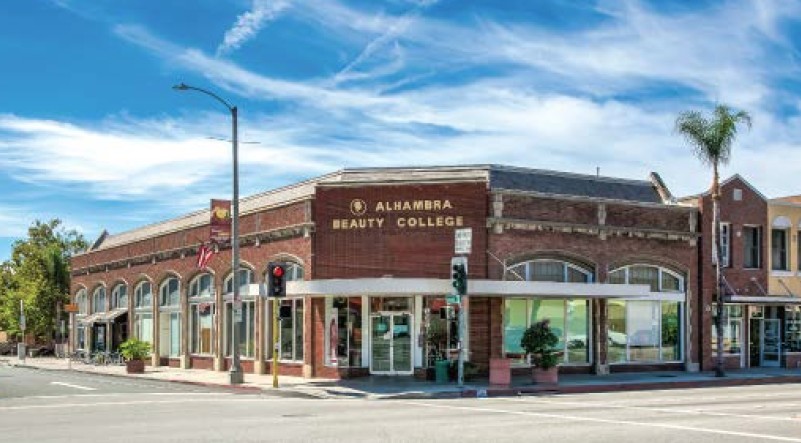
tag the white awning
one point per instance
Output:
(483, 288)
(764, 300)
(110, 316)
(91, 318)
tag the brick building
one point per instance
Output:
(611, 262)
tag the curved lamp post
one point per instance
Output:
(236, 369)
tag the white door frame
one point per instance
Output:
(762, 361)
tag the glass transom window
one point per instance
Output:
(170, 292)
(549, 270)
(143, 295)
(99, 300)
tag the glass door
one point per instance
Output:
(771, 343)
(391, 343)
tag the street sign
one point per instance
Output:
(453, 299)
(71, 307)
(463, 239)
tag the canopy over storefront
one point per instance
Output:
(778, 300)
(483, 288)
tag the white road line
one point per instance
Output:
(651, 409)
(83, 388)
(137, 402)
(123, 394)
(609, 421)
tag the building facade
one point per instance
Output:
(612, 263)
(784, 263)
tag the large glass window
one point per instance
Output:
(645, 331)
(170, 318)
(245, 324)
(201, 315)
(569, 321)
(143, 313)
(80, 300)
(291, 330)
(549, 270)
(119, 297)
(343, 331)
(732, 329)
(80, 339)
(778, 250)
(99, 300)
(752, 244)
(792, 329)
(170, 293)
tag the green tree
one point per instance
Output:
(711, 140)
(38, 274)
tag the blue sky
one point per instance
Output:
(91, 132)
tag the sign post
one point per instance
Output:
(21, 346)
(71, 309)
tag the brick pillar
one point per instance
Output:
(600, 326)
(185, 351)
(155, 359)
(258, 331)
(219, 312)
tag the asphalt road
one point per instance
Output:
(33, 408)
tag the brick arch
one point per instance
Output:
(142, 278)
(283, 256)
(242, 264)
(165, 275)
(80, 287)
(118, 281)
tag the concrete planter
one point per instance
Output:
(545, 377)
(135, 366)
(500, 372)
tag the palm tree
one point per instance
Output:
(711, 140)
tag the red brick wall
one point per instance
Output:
(752, 210)
(393, 250)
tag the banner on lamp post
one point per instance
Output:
(220, 222)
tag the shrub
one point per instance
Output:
(135, 349)
(539, 342)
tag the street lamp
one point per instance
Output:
(236, 369)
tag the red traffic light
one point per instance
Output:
(278, 271)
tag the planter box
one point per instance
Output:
(500, 372)
(135, 366)
(546, 377)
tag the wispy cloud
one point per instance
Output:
(250, 23)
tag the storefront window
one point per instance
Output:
(246, 328)
(80, 340)
(201, 315)
(170, 318)
(569, 321)
(143, 295)
(792, 329)
(344, 331)
(732, 329)
(643, 331)
(80, 300)
(143, 326)
(291, 330)
(143, 315)
(659, 279)
(440, 329)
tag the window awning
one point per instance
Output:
(110, 316)
(764, 300)
(93, 318)
(482, 288)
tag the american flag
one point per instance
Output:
(204, 255)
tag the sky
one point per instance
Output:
(92, 133)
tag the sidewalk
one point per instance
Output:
(386, 387)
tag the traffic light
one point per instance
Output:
(459, 275)
(276, 280)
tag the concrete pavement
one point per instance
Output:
(409, 388)
(730, 415)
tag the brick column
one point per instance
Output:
(219, 312)
(184, 294)
(258, 336)
(155, 359)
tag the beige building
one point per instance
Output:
(784, 243)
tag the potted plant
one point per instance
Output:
(134, 352)
(539, 342)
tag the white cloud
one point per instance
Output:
(250, 23)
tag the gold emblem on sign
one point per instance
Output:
(358, 207)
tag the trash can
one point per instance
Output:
(441, 370)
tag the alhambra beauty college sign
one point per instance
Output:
(402, 214)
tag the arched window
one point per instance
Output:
(119, 296)
(170, 292)
(202, 286)
(170, 318)
(549, 270)
(201, 315)
(143, 311)
(645, 330)
(294, 271)
(247, 322)
(80, 300)
(143, 295)
(99, 300)
(660, 279)
(245, 279)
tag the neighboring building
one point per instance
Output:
(611, 262)
(784, 262)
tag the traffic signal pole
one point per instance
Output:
(459, 282)
(276, 319)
